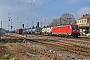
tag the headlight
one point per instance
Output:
(73, 30)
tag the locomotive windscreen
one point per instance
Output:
(75, 27)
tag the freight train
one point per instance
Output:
(66, 31)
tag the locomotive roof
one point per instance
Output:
(66, 25)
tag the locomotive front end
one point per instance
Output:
(75, 30)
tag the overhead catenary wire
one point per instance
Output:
(44, 5)
(11, 3)
(24, 15)
(40, 7)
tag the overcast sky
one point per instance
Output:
(28, 11)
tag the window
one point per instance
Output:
(77, 21)
(82, 21)
(74, 27)
(85, 20)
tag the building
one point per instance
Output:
(84, 24)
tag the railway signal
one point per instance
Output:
(23, 25)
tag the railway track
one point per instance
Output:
(41, 52)
(66, 40)
(67, 47)
(76, 42)
(72, 48)
(64, 44)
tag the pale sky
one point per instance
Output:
(26, 11)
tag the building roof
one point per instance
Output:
(85, 16)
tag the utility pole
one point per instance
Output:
(1, 24)
(11, 26)
(27, 27)
(32, 23)
(41, 24)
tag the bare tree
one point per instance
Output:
(63, 20)
(55, 22)
(67, 19)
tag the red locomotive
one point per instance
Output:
(67, 30)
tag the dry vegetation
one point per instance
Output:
(12, 50)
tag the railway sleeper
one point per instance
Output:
(79, 52)
(82, 53)
(86, 54)
(72, 51)
(82, 49)
(87, 51)
(62, 49)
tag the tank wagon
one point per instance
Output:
(35, 31)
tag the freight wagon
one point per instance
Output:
(19, 31)
(47, 31)
(34, 31)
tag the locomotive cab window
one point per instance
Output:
(74, 27)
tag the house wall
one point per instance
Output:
(84, 22)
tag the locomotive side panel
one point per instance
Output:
(69, 29)
(60, 30)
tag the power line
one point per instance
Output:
(11, 3)
(44, 5)
(41, 6)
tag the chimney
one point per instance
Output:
(86, 14)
